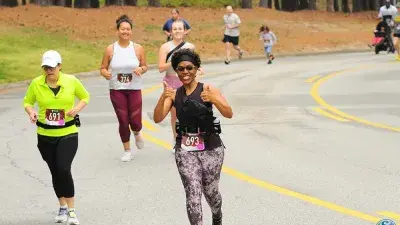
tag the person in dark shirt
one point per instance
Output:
(199, 151)
(168, 24)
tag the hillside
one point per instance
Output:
(82, 34)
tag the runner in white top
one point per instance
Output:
(127, 63)
(164, 65)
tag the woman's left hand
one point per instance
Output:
(207, 95)
(138, 71)
(72, 112)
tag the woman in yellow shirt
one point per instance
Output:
(58, 122)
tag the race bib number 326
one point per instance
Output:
(55, 117)
(192, 142)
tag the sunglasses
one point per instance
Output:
(48, 68)
(188, 68)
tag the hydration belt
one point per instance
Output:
(191, 129)
(75, 121)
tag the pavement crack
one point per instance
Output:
(14, 164)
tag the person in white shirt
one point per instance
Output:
(231, 33)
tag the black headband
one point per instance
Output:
(184, 58)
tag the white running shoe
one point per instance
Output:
(62, 216)
(127, 156)
(72, 219)
(139, 141)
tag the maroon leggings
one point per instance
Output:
(128, 107)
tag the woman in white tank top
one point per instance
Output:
(123, 65)
(178, 31)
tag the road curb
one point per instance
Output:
(25, 83)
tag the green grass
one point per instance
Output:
(22, 50)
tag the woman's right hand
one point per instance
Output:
(168, 91)
(33, 116)
(106, 74)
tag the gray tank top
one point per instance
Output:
(211, 140)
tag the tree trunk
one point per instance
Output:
(247, 4)
(346, 6)
(115, 2)
(131, 2)
(303, 4)
(154, 3)
(277, 5)
(42, 2)
(95, 4)
(336, 5)
(329, 6)
(59, 3)
(82, 4)
(357, 6)
(312, 5)
(270, 4)
(9, 3)
(263, 3)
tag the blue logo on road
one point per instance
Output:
(386, 222)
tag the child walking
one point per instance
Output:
(269, 39)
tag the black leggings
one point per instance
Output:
(200, 173)
(58, 153)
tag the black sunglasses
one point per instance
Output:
(48, 68)
(188, 68)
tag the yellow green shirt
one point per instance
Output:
(39, 92)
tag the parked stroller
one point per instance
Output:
(382, 40)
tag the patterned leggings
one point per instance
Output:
(200, 173)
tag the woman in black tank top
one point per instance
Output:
(199, 149)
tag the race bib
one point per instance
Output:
(192, 142)
(124, 77)
(55, 117)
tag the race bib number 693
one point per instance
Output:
(192, 142)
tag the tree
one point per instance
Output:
(264, 3)
(312, 5)
(329, 6)
(85, 4)
(277, 5)
(303, 4)
(131, 2)
(9, 3)
(42, 2)
(357, 5)
(336, 5)
(247, 4)
(154, 3)
(289, 5)
(346, 6)
(115, 2)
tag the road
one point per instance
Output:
(313, 140)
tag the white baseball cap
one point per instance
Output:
(51, 58)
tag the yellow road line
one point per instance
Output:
(327, 114)
(263, 184)
(313, 78)
(148, 125)
(324, 104)
(271, 187)
(390, 215)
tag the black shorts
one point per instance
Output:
(233, 40)
(396, 35)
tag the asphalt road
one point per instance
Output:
(313, 140)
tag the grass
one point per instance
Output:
(22, 49)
